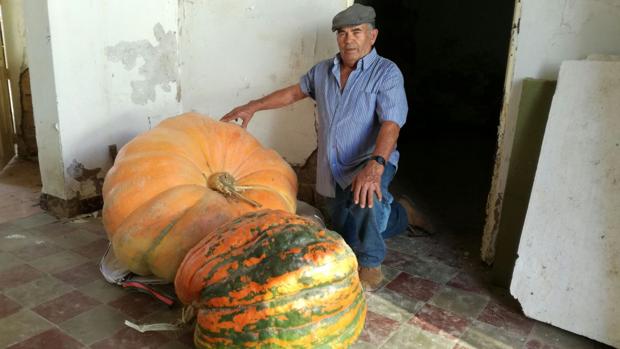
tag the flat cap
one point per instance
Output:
(354, 15)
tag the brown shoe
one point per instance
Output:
(417, 220)
(371, 278)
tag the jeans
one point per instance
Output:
(365, 229)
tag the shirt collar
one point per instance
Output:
(364, 62)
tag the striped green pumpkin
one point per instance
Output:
(271, 279)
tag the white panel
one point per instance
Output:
(550, 32)
(568, 270)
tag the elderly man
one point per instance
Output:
(361, 107)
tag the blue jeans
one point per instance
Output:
(364, 229)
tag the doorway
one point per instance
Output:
(453, 56)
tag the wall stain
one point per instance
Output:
(88, 182)
(159, 67)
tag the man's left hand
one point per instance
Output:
(367, 183)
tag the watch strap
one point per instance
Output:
(378, 158)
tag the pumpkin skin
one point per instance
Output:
(157, 201)
(271, 279)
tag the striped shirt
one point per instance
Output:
(349, 121)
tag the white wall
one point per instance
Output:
(551, 31)
(44, 100)
(104, 71)
(97, 75)
(233, 52)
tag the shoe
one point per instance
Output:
(419, 224)
(371, 278)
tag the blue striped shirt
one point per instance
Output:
(349, 121)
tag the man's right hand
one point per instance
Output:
(244, 112)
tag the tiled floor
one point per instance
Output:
(52, 295)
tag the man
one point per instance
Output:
(361, 107)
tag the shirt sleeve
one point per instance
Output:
(307, 82)
(391, 98)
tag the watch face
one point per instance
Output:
(379, 159)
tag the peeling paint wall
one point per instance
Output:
(115, 70)
(550, 32)
(106, 71)
(232, 52)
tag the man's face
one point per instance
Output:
(355, 42)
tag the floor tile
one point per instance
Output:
(53, 338)
(440, 322)
(93, 250)
(38, 291)
(8, 228)
(414, 287)
(19, 240)
(8, 306)
(59, 262)
(21, 325)
(378, 328)
(8, 261)
(470, 282)
(34, 220)
(94, 225)
(56, 228)
(80, 275)
(18, 275)
(360, 344)
(73, 239)
(482, 336)
(544, 336)
(128, 338)
(66, 306)
(39, 249)
(408, 336)
(409, 246)
(393, 305)
(429, 270)
(94, 325)
(502, 316)
(137, 305)
(397, 260)
(103, 291)
(467, 304)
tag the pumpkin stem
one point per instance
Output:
(224, 182)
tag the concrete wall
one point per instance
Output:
(100, 74)
(39, 47)
(104, 71)
(551, 31)
(233, 52)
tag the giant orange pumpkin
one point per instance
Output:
(177, 182)
(271, 279)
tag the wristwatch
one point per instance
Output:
(378, 158)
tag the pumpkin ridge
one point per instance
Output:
(218, 239)
(292, 333)
(235, 172)
(134, 156)
(284, 298)
(292, 239)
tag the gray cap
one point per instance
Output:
(355, 15)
